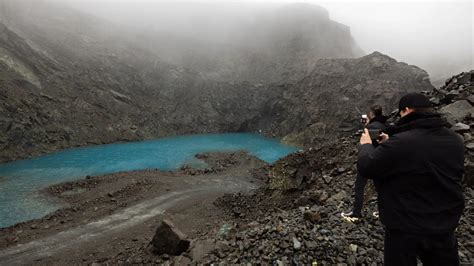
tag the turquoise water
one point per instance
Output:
(20, 181)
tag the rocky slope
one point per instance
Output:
(65, 85)
(296, 218)
(328, 102)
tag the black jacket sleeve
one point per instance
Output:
(378, 162)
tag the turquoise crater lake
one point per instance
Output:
(22, 180)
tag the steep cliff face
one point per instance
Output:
(329, 101)
(63, 86)
(293, 37)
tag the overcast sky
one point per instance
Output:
(430, 34)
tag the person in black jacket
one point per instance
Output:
(376, 122)
(417, 170)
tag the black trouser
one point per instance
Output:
(359, 188)
(403, 248)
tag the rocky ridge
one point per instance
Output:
(64, 86)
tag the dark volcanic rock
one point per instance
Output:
(169, 240)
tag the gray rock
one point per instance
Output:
(467, 137)
(327, 178)
(182, 260)
(461, 128)
(470, 146)
(456, 112)
(169, 240)
(434, 100)
(296, 243)
(201, 248)
(338, 197)
(353, 248)
(471, 99)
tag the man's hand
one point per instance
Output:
(382, 138)
(365, 138)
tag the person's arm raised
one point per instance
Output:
(375, 163)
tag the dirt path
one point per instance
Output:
(98, 232)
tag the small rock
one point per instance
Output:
(327, 178)
(296, 243)
(467, 137)
(470, 146)
(284, 245)
(324, 196)
(353, 248)
(461, 128)
(435, 100)
(312, 216)
(338, 197)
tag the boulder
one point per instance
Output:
(456, 112)
(169, 240)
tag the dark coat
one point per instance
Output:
(377, 122)
(418, 174)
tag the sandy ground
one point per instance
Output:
(110, 215)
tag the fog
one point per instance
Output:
(434, 35)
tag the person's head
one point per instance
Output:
(374, 111)
(414, 102)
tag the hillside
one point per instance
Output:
(69, 79)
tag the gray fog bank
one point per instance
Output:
(437, 36)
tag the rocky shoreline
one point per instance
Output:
(94, 199)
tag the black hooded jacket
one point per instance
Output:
(418, 173)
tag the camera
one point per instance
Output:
(364, 119)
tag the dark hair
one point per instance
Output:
(376, 110)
